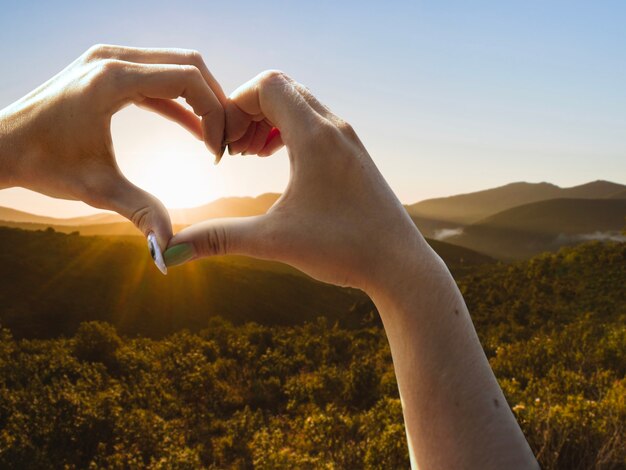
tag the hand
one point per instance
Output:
(337, 221)
(57, 140)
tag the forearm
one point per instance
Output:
(9, 150)
(455, 413)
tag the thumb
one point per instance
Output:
(145, 211)
(238, 235)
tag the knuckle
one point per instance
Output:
(271, 78)
(349, 134)
(140, 217)
(346, 129)
(108, 68)
(105, 72)
(194, 57)
(191, 71)
(96, 52)
(216, 241)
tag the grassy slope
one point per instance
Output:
(52, 282)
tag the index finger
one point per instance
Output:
(171, 81)
(272, 95)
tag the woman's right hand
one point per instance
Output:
(337, 220)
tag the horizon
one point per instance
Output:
(449, 98)
(405, 203)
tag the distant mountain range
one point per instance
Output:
(473, 207)
(529, 229)
(508, 222)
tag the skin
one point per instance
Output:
(337, 221)
(57, 139)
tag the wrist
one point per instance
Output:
(413, 271)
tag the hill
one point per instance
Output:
(472, 207)
(224, 207)
(124, 228)
(52, 282)
(318, 395)
(530, 229)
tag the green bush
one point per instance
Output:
(318, 395)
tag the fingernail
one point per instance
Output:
(155, 252)
(178, 254)
(221, 154)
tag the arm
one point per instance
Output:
(455, 413)
(339, 222)
(57, 139)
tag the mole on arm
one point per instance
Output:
(496, 403)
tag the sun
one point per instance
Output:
(164, 159)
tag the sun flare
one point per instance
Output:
(164, 159)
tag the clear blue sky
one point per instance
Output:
(449, 96)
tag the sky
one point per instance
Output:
(448, 96)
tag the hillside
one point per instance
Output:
(124, 228)
(436, 218)
(318, 395)
(513, 221)
(52, 282)
(529, 229)
(224, 207)
(472, 207)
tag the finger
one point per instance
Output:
(237, 122)
(240, 145)
(243, 236)
(273, 143)
(172, 81)
(159, 56)
(260, 137)
(274, 96)
(175, 112)
(112, 191)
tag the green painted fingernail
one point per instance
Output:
(178, 254)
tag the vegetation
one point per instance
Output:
(51, 282)
(319, 394)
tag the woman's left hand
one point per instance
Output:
(57, 139)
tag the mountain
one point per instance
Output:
(51, 281)
(472, 207)
(15, 216)
(479, 220)
(529, 229)
(619, 195)
(225, 207)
